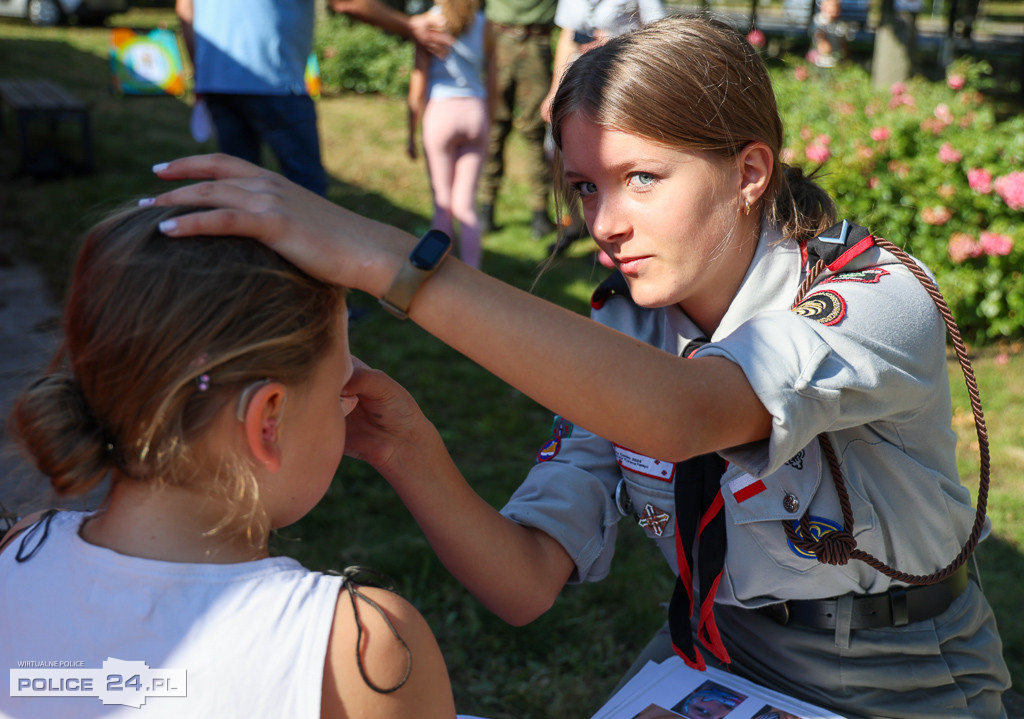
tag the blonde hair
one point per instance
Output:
(158, 336)
(696, 84)
(458, 15)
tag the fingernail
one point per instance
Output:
(160, 166)
(146, 202)
(168, 226)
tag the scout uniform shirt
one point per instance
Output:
(862, 357)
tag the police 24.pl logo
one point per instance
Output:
(117, 682)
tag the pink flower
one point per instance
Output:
(874, 183)
(800, 73)
(1002, 358)
(946, 191)
(956, 82)
(900, 169)
(962, 247)
(933, 125)
(938, 215)
(845, 108)
(980, 180)
(897, 88)
(880, 134)
(787, 155)
(756, 38)
(994, 244)
(948, 154)
(864, 152)
(944, 114)
(901, 100)
(817, 153)
(805, 133)
(823, 139)
(1011, 189)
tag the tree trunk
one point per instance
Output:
(892, 60)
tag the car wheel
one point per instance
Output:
(44, 13)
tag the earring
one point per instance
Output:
(746, 207)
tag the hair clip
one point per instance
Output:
(203, 380)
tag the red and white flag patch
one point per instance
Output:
(745, 487)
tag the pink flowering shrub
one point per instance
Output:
(1011, 188)
(928, 166)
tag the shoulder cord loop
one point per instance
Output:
(348, 576)
(838, 547)
(30, 532)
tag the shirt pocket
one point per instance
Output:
(646, 496)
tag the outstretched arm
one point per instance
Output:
(676, 408)
(517, 572)
(425, 29)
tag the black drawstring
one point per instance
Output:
(43, 522)
(382, 582)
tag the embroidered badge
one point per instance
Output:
(819, 528)
(797, 460)
(824, 306)
(654, 519)
(745, 487)
(870, 276)
(561, 428)
(647, 466)
(549, 450)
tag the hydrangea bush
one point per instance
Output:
(927, 166)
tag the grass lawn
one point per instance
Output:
(566, 662)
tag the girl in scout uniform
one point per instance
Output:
(767, 424)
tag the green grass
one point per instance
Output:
(566, 662)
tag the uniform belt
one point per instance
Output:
(895, 608)
(521, 31)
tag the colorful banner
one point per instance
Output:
(146, 62)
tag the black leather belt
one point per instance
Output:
(895, 608)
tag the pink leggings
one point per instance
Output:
(455, 136)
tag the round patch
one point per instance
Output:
(819, 528)
(549, 450)
(824, 306)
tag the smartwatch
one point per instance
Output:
(425, 258)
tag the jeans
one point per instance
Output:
(286, 123)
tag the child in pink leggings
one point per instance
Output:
(452, 97)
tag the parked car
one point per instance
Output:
(53, 12)
(799, 12)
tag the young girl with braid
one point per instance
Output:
(763, 389)
(212, 380)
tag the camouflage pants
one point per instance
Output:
(524, 78)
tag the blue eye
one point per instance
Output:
(586, 188)
(641, 179)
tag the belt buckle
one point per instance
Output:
(778, 612)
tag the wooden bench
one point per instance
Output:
(45, 104)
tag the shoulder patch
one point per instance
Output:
(825, 306)
(549, 450)
(869, 276)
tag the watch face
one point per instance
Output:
(431, 248)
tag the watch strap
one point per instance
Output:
(410, 277)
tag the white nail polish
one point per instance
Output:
(160, 166)
(146, 202)
(168, 226)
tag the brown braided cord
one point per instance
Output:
(839, 547)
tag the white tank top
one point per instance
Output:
(252, 637)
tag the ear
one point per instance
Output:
(262, 420)
(755, 165)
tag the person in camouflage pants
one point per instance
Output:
(523, 59)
